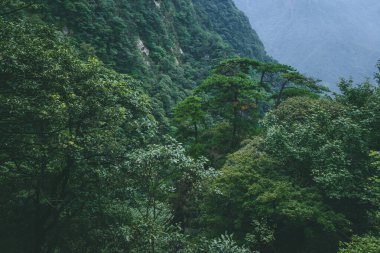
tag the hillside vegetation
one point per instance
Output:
(163, 127)
(169, 45)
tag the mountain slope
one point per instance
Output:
(233, 26)
(324, 38)
(170, 45)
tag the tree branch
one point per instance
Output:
(16, 10)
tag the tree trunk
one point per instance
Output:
(234, 123)
(39, 221)
(196, 132)
(262, 77)
(278, 101)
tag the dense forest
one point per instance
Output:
(163, 126)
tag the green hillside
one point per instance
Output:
(169, 45)
(136, 126)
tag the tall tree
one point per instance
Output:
(233, 99)
(190, 113)
(163, 182)
(65, 126)
(292, 83)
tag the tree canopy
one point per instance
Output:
(249, 156)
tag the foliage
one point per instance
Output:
(353, 95)
(13, 7)
(232, 99)
(224, 18)
(85, 167)
(161, 179)
(188, 116)
(225, 244)
(361, 244)
(294, 83)
(320, 143)
(364, 102)
(169, 45)
(258, 204)
(230, 102)
(66, 125)
(297, 187)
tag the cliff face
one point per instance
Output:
(324, 38)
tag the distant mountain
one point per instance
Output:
(327, 39)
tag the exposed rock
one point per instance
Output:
(157, 3)
(143, 49)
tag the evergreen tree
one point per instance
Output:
(65, 126)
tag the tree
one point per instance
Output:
(361, 244)
(307, 180)
(354, 95)
(189, 114)
(266, 73)
(65, 126)
(261, 206)
(270, 74)
(320, 143)
(9, 7)
(375, 155)
(233, 99)
(226, 244)
(271, 71)
(363, 100)
(161, 178)
(295, 84)
(372, 120)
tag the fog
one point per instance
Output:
(326, 39)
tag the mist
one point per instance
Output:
(326, 39)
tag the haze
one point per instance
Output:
(327, 39)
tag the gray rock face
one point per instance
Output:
(327, 39)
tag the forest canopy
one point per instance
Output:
(249, 155)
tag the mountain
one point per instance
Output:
(169, 45)
(233, 26)
(326, 39)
